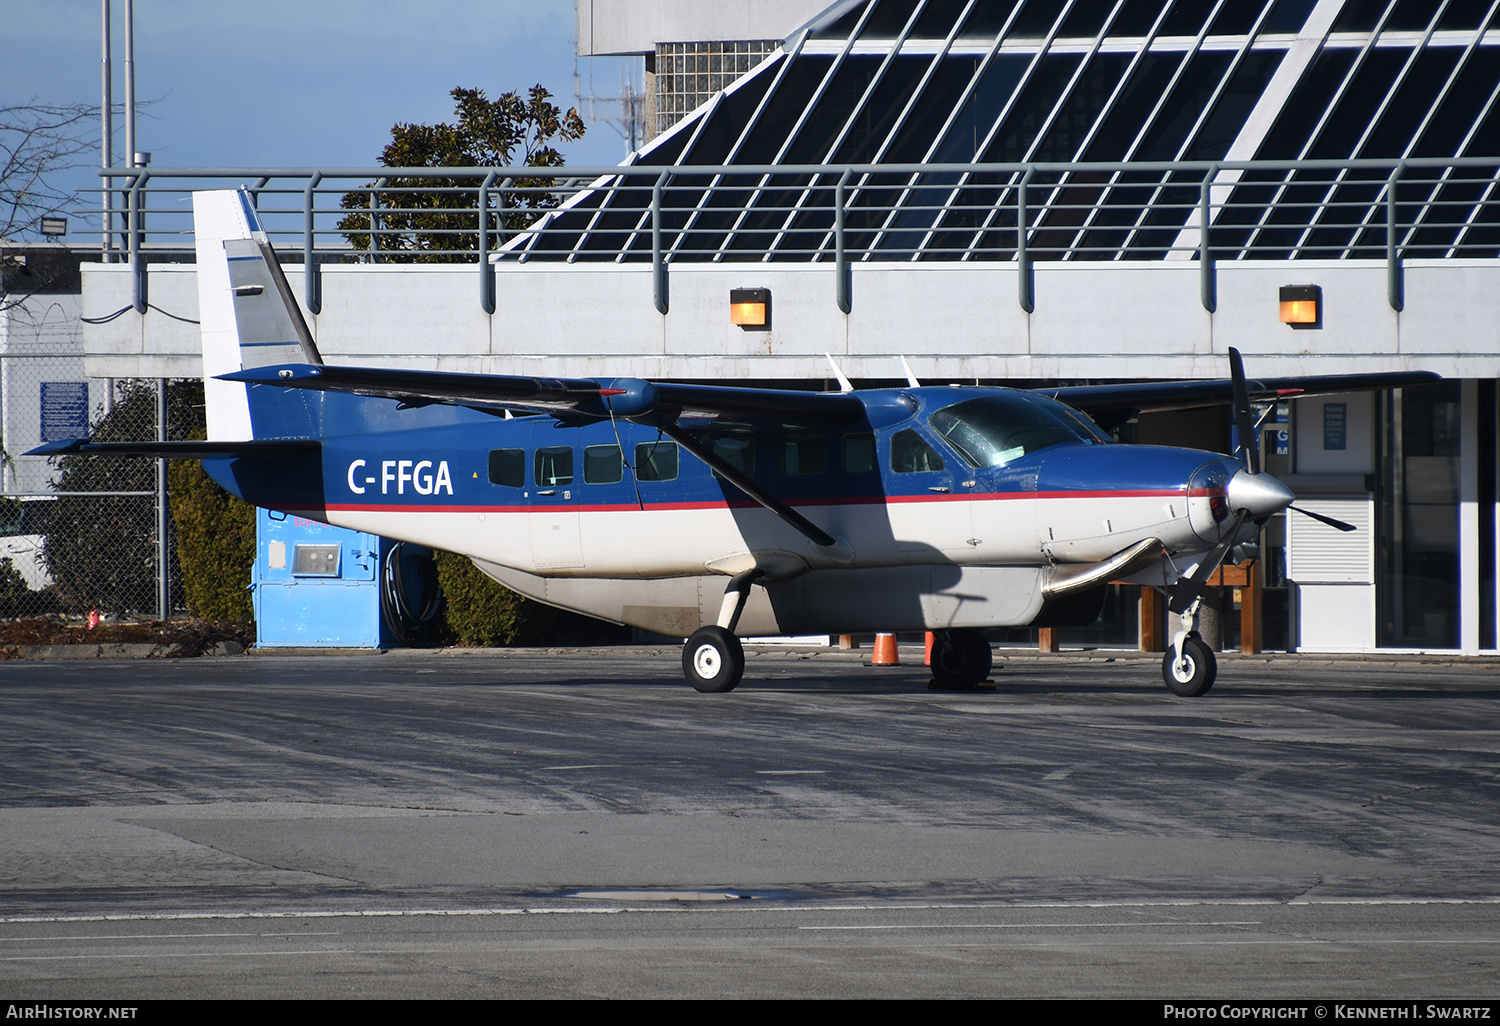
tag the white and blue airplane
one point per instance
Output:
(707, 511)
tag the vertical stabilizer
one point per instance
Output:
(248, 314)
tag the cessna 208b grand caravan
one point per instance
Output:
(709, 511)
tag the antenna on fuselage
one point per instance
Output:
(844, 385)
(911, 379)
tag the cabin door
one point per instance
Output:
(555, 542)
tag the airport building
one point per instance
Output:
(999, 191)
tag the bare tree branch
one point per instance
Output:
(39, 141)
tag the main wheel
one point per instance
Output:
(713, 659)
(961, 659)
(1197, 672)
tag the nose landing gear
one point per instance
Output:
(1192, 674)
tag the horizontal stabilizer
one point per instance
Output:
(176, 450)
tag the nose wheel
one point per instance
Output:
(1194, 673)
(713, 660)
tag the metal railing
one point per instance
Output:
(841, 215)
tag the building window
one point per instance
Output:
(689, 74)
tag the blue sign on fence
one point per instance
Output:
(65, 410)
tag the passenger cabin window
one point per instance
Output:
(910, 454)
(554, 466)
(656, 461)
(859, 453)
(993, 430)
(738, 452)
(803, 454)
(602, 464)
(508, 467)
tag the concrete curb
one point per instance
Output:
(140, 650)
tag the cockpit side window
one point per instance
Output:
(910, 454)
(993, 430)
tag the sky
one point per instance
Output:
(297, 83)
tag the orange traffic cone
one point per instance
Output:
(885, 651)
(927, 657)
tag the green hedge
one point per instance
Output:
(215, 544)
(478, 612)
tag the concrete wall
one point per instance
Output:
(952, 321)
(41, 342)
(636, 26)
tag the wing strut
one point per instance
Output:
(839, 549)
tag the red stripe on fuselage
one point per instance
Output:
(749, 504)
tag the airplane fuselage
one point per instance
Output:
(618, 501)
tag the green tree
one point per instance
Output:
(418, 218)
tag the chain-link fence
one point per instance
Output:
(78, 533)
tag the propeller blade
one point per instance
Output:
(1243, 423)
(1337, 525)
(1192, 586)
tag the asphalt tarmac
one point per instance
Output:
(582, 823)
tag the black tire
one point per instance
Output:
(1198, 672)
(713, 660)
(961, 659)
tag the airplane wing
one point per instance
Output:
(664, 402)
(176, 450)
(631, 398)
(1104, 400)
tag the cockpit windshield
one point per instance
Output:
(993, 430)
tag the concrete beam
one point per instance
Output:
(953, 322)
(623, 27)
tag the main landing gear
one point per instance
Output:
(961, 659)
(713, 660)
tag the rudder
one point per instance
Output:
(249, 317)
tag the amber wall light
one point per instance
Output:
(1302, 306)
(750, 309)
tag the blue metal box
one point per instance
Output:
(316, 585)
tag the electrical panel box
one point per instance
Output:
(316, 586)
